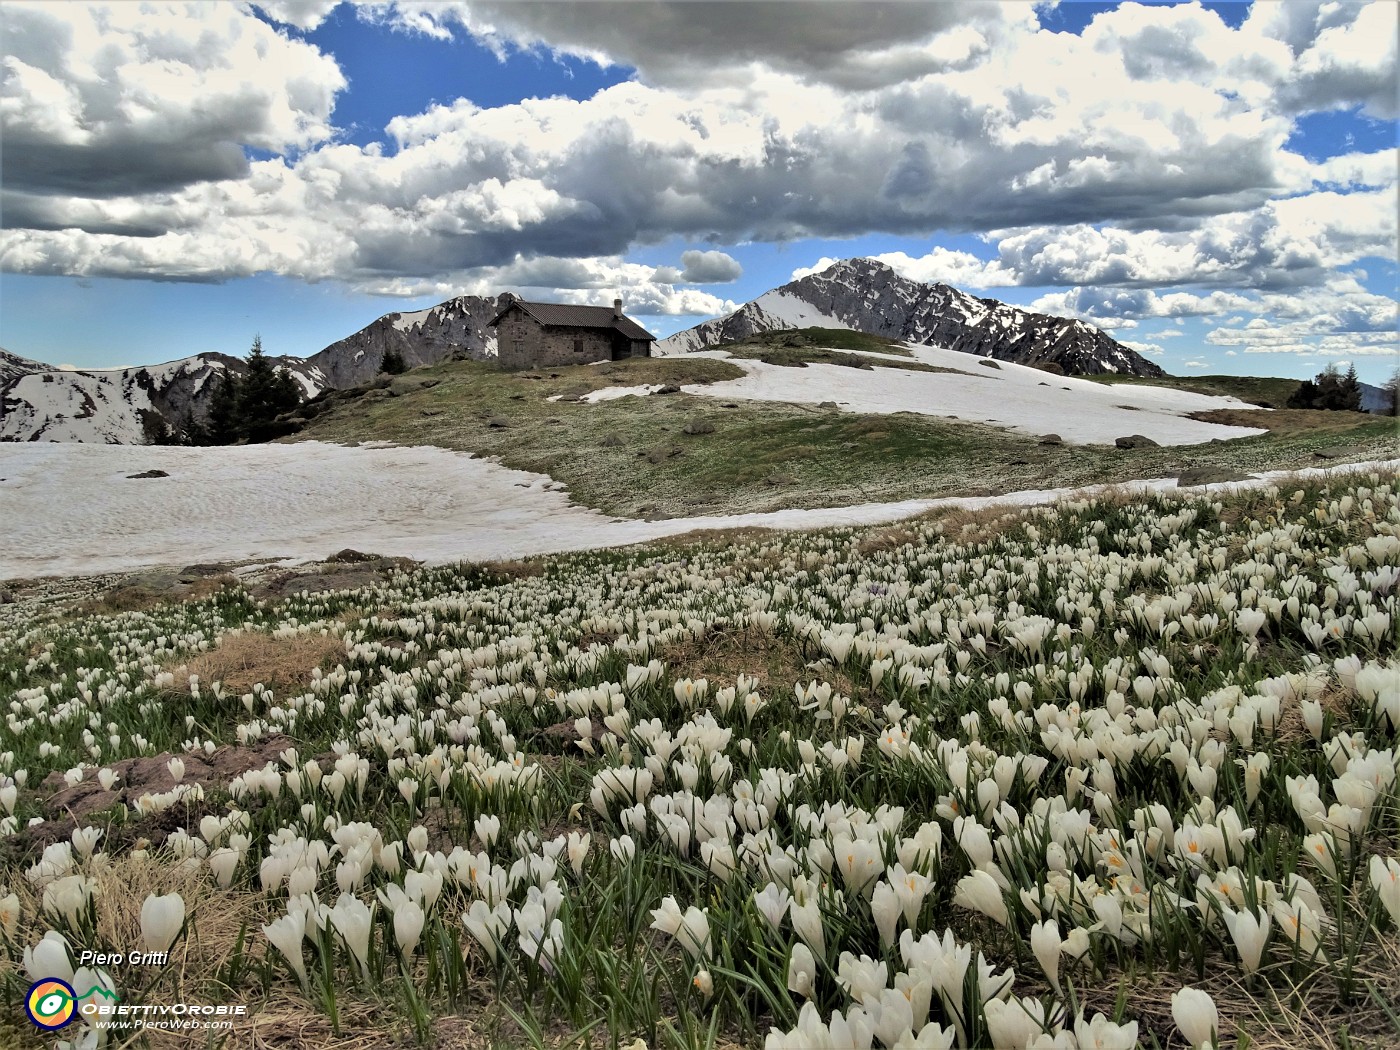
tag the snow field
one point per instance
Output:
(1014, 397)
(72, 509)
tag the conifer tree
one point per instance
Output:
(392, 363)
(223, 421)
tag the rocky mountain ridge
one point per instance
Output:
(39, 402)
(869, 296)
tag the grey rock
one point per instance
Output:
(1135, 441)
(698, 426)
(828, 404)
(149, 474)
(409, 384)
(1339, 452)
(1051, 439)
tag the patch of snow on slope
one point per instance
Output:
(797, 313)
(612, 393)
(72, 508)
(1013, 397)
(403, 322)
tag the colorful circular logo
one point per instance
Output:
(51, 1004)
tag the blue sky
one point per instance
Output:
(1213, 184)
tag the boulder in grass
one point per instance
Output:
(1339, 452)
(408, 384)
(1135, 441)
(661, 453)
(1051, 439)
(698, 426)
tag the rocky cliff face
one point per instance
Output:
(868, 296)
(423, 337)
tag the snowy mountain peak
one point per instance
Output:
(867, 295)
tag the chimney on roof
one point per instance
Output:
(617, 308)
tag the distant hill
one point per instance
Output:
(868, 296)
(115, 406)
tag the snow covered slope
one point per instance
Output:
(75, 508)
(1010, 396)
(868, 296)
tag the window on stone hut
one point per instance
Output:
(578, 346)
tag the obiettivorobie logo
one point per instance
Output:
(53, 1004)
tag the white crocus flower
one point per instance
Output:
(408, 926)
(1195, 1015)
(286, 935)
(1250, 932)
(162, 918)
(1385, 880)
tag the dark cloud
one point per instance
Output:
(691, 42)
(126, 99)
(712, 267)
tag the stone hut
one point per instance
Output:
(540, 335)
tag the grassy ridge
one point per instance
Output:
(633, 457)
(1264, 391)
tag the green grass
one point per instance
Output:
(1257, 390)
(831, 338)
(631, 456)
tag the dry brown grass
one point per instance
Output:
(709, 537)
(1291, 727)
(722, 655)
(216, 917)
(1314, 1017)
(244, 658)
(519, 569)
(889, 538)
(1286, 420)
(965, 525)
(137, 597)
(1269, 1014)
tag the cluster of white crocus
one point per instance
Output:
(1101, 736)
